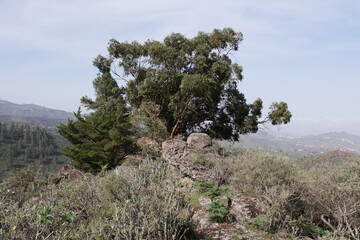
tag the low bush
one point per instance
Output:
(133, 202)
(218, 212)
(317, 203)
(333, 197)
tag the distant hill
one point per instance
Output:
(303, 146)
(32, 114)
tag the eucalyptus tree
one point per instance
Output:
(193, 82)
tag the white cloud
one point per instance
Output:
(65, 25)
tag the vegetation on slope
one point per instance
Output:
(146, 201)
(22, 146)
(133, 202)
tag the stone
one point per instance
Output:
(245, 207)
(173, 149)
(203, 222)
(199, 142)
(68, 173)
(204, 201)
(176, 152)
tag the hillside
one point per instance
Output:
(303, 146)
(22, 146)
(195, 191)
(32, 114)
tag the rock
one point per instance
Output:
(190, 159)
(176, 152)
(245, 207)
(68, 173)
(199, 142)
(226, 231)
(186, 185)
(203, 222)
(204, 201)
(173, 149)
(221, 231)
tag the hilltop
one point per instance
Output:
(32, 114)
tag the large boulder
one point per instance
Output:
(199, 142)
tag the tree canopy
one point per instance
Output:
(193, 83)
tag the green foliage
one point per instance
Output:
(103, 138)
(209, 189)
(279, 113)
(147, 116)
(24, 146)
(258, 223)
(43, 215)
(218, 212)
(192, 84)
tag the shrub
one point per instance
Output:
(133, 202)
(22, 185)
(258, 223)
(218, 212)
(333, 197)
(256, 171)
(209, 189)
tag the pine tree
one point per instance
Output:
(103, 138)
(2, 131)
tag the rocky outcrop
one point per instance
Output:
(190, 158)
(178, 154)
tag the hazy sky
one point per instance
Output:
(304, 52)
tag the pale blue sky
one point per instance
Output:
(304, 52)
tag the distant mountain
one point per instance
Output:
(303, 146)
(32, 114)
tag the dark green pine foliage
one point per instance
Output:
(24, 146)
(103, 138)
(194, 83)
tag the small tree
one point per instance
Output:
(103, 138)
(193, 83)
